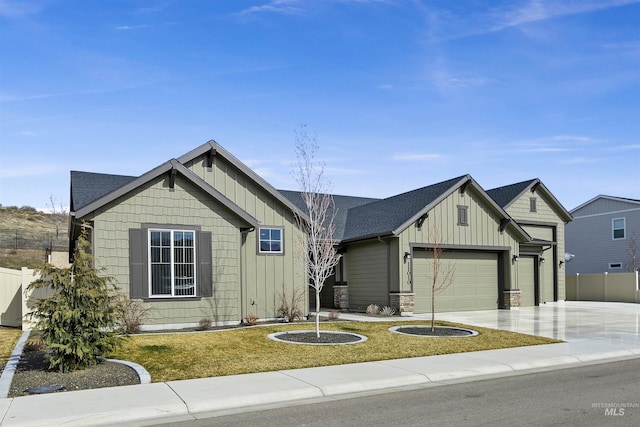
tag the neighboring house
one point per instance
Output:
(200, 236)
(203, 236)
(603, 231)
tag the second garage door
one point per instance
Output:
(475, 281)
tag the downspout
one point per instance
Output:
(388, 269)
(243, 240)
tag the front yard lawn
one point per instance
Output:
(8, 339)
(182, 356)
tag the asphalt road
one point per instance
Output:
(605, 394)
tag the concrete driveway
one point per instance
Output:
(584, 325)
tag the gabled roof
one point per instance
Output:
(393, 215)
(505, 196)
(212, 149)
(87, 187)
(602, 196)
(89, 199)
(342, 205)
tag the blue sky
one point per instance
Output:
(401, 94)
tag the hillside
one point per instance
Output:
(26, 236)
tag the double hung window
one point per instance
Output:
(618, 228)
(172, 267)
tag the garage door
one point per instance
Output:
(475, 281)
(527, 280)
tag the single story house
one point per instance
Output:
(603, 235)
(203, 236)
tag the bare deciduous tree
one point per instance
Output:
(319, 251)
(441, 278)
(58, 213)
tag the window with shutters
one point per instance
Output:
(172, 265)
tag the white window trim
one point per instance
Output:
(195, 266)
(281, 251)
(624, 228)
(618, 265)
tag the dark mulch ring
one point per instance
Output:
(309, 337)
(33, 371)
(439, 331)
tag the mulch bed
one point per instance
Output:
(33, 371)
(438, 332)
(325, 338)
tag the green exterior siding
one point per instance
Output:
(546, 223)
(482, 232)
(243, 281)
(366, 271)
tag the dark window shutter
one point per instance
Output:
(205, 272)
(137, 264)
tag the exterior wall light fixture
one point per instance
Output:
(515, 258)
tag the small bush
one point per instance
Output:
(334, 314)
(34, 345)
(387, 311)
(291, 305)
(373, 309)
(133, 314)
(204, 324)
(250, 320)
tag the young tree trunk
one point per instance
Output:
(317, 313)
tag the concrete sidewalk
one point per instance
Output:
(593, 331)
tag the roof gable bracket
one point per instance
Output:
(463, 187)
(210, 155)
(421, 220)
(503, 223)
(534, 187)
(172, 178)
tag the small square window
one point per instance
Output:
(618, 228)
(533, 205)
(463, 215)
(270, 240)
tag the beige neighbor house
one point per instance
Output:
(203, 236)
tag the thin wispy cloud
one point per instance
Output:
(286, 7)
(131, 27)
(18, 9)
(417, 157)
(538, 10)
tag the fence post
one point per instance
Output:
(577, 286)
(605, 284)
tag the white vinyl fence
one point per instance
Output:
(610, 287)
(15, 301)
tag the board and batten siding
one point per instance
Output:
(366, 266)
(185, 205)
(482, 231)
(265, 277)
(544, 217)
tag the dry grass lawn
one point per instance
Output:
(240, 351)
(8, 339)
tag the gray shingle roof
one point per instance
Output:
(342, 203)
(387, 215)
(503, 196)
(87, 187)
